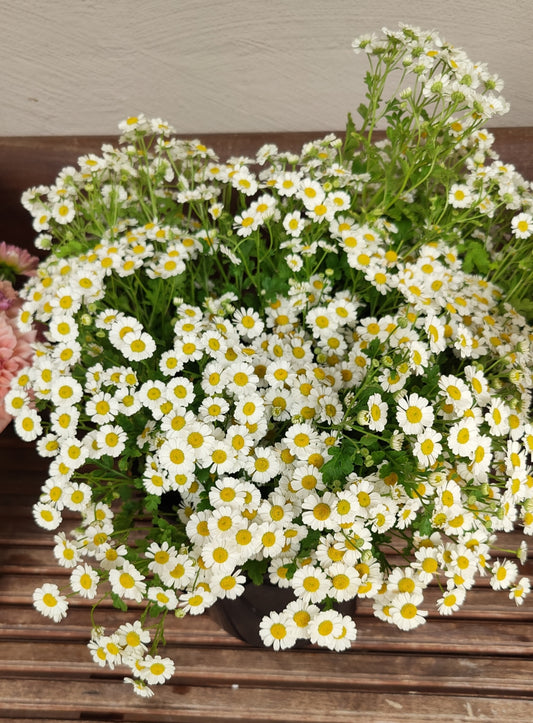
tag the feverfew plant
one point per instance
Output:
(312, 369)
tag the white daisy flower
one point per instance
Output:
(67, 552)
(344, 581)
(404, 611)
(348, 635)
(248, 323)
(84, 581)
(180, 573)
(463, 437)
(128, 582)
(230, 586)
(263, 464)
(427, 447)
(217, 555)
(318, 511)
(136, 346)
(270, 536)
(294, 223)
(519, 591)
(240, 378)
(522, 225)
(133, 638)
(276, 631)
(163, 597)
(196, 602)
(249, 408)
(311, 584)
(49, 602)
(46, 515)
(156, 669)
(64, 420)
(110, 557)
(77, 496)
(460, 196)
(414, 413)
(63, 328)
(162, 556)
(300, 615)
(451, 600)
(111, 440)
(325, 627)
(140, 687)
(377, 409)
(503, 574)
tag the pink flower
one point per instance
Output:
(8, 297)
(15, 261)
(15, 353)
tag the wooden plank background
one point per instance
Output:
(474, 666)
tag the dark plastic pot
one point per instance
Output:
(241, 617)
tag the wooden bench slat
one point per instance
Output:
(441, 635)
(291, 669)
(190, 704)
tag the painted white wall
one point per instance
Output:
(81, 66)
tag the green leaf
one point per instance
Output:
(476, 258)
(362, 109)
(309, 542)
(290, 570)
(151, 503)
(425, 527)
(125, 492)
(274, 286)
(340, 464)
(352, 138)
(369, 441)
(524, 307)
(118, 602)
(256, 570)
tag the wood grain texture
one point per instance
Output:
(74, 67)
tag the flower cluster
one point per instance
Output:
(15, 345)
(300, 368)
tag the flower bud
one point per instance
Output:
(363, 417)
(396, 441)
(521, 553)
